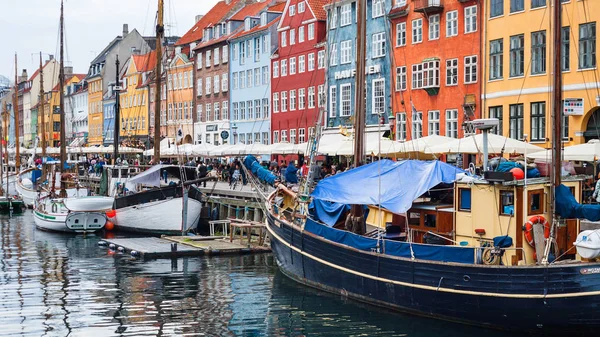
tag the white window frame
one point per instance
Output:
(276, 69)
(332, 101)
(470, 19)
(301, 99)
(378, 8)
(284, 101)
(433, 125)
(451, 23)
(401, 78)
(276, 102)
(301, 34)
(345, 100)
(345, 14)
(346, 52)
(452, 123)
(311, 61)
(434, 27)
(379, 48)
(292, 65)
(417, 31)
(311, 31)
(311, 97)
(292, 100)
(401, 34)
(452, 72)
(301, 64)
(377, 99)
(471, 69)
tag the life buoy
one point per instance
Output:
(528, 228)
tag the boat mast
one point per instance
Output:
(16, 112)
(2, 166)
(61, 85)
(359, 100)
(5, 135)
(42, 112)
(117, 112)
(160, 30)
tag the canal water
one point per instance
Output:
(64, 285)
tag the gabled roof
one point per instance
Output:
(258, 28)
(68, 78)
(277, 8)
(250, 10)
(146, 62)
(214, 15)
(317, 8)
(37, 71)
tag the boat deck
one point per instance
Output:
(178, 246)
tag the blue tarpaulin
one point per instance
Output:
(401, 183)
(327, 212)
(394, 248)
(567, 207)
(258, 171)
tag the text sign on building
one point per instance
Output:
(212, 127)
(573, 107)
(339, 75)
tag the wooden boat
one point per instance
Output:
(72, 215)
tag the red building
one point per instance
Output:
(437, 58)
(298, 71)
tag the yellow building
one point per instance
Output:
(517, 69)
(95, 117)
(52, 112)
(134, 98)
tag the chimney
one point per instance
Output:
(199, 17)
(50, 57)
(23, 77)
(125, 29)
(68, 71)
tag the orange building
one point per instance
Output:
(437, 56)
(178, 121)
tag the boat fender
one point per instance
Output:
(528, 228)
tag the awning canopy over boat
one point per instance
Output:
(150, 177)
(401, 183)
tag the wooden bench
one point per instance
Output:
(248, 227)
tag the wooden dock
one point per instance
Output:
(179, 246)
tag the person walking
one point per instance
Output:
(202, 171)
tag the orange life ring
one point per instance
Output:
(528, 228)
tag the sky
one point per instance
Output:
(31, 26)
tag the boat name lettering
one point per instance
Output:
(589, 271)
(376, 69)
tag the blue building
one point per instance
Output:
(250, 74)
(108, 128)
(341, 70)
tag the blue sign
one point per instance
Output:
(224, 134)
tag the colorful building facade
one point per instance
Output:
(179, 103)
(250, 73)
(518, 69)
(436, 72)
(341, 65)
(305, 23)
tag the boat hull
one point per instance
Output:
(553, 300)
(158, 215)
(72, 222)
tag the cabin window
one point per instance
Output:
(430, 220)
(507, 203)
(464, 199)
(535, 202)
(414, 218)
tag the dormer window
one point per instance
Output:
(224, 29)
(263, 19)
(228, 27)
(247, 23)
(292, 10)
(216, 31)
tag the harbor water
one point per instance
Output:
(65, 285)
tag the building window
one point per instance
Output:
(401, 34)
(208, 58)
(452, 123)
(292, 100)
(321, 97)
(292, 65)
(538, 121)
(217, 85)
(496, 59)
(216, 58)
(275, 69)
(538, 52)
(333, 18)
(301, 7)
(301, 135)
(284, 136)
(332, 101)
(275, 136)
(378, 96)
(496, 112)
(301, 34)
(311, 31)
(417, 125)
(284, 39)
(587, 45)
(208, 112)
(379, 44)
(265, 75)
(224, 83)
(292, 36)
(301, 99)
(321, 59)
(311, 97)
(400, 78)
(417, 76)
(452, 72)
(265, 138)
(471, 69)
(345, 99)
(243, 111)
(538, 3)
(434, 27)
(293, 136)
(566, 49)
(431, 74)
(199, 86)
(401, 126)
(496, 8)
(417, 31)
(434, 122)
(225, 110)
(217, 110)
(208, 85)
(283, 68)
(507, 202)
(516, 121)
(451, 23)
(517, 5)
(292, 10)
(378, 8)
(284, 101)
(333, 55)
(243, 51)
(517, 55)
(257, 76)
(346, 51)
(565, 128)
(464, 199)
(257, 49)
(311, 61)
(470, 19)
(276, 102)
(346, 15)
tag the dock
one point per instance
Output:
(180, 246)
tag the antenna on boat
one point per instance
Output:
(485, 125)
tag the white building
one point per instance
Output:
(76, 114)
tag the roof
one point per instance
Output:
(221, 39)
(317, 8)
(102, 55)
(68, 78)
(37, 71)
(249, 10)
(146, 62)
(277, 8)
(214, 15)
(258, 28)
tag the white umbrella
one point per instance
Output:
(344, 146)
(202, 149)
(589, 151)
(424, 143)
(286, 148)
(474, 144)
(256, 149)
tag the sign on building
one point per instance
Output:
(573, 107)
